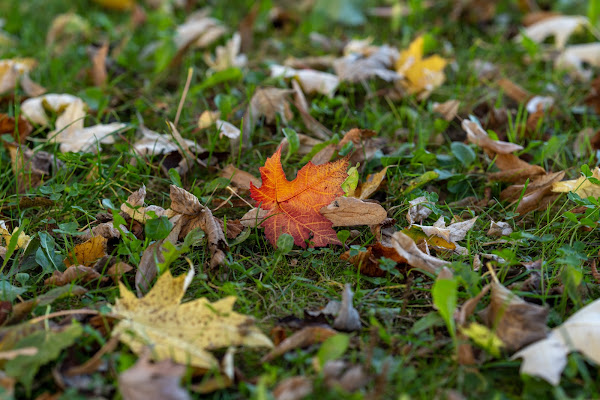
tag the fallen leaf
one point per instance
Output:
(513, 169)
(294, 205)
(358, 65)
(239, 178)
(341, 374)
(17, 129)
(87, 253)
(99, 74)
(582, 186)
(12, 70)
(254, 217)
(154, 143)
(448, 109)
(514, 91)
(34, 109)
(312, 81)
(371, 184)
(153, 381)
(23, 239)
(577, 57)
(198, 30)
(348, 319)
(516, 322)
(72, 274)
(293, 388)
(408, 250)
(269, 102)
(303, 338)
(227, 56)
(311, 123)
(31, 168)
(560, 27)
(478, 136)
(548, 357)
(421, 75)
(65, 29)
(183, 332)
(227, 129)
(368, 261)
(208, 118)
(419, 210)
(350, 211)
(499, 229)
(49, 344)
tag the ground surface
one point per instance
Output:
(402, 334)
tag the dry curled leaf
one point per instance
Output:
(560, 27)
(347, 319)
(350, 211)
(408, 250)
(516, 322)
(153, 381)
(72, 274)
(239, 178)
(303, 338)
(478, 136)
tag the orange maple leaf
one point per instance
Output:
(294, 206)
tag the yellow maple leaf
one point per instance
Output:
(422, 75)
(582, 186)
(183, 332)
(23, 239)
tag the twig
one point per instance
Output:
(64, 312)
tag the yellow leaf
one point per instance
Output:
(182, 332)
(483, 337)
(582, 186)
(88, 252)
(421, 75)
(22, 241)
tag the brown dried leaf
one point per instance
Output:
(371, 185)
(29, 167)
(407, 249)
(293, 388)
(350, 211)
(447, 109)
(239, 178)
(513, 169)
(99, 74)
(515, 321)
(269, 102)
(311, 123)
(18, 130)
(476, 135)
(254, 217)
(73, 274)
(158, 381)
(303, 338)
(514, 91)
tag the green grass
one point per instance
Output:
(419, 363)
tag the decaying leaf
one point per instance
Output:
(499, 229)
(239, 178)
(372, 183)
(88, 252)
(14, 71)
(31, 168)
(362, 62)
(293, 388)
(452, 233)
(18, 129)
(294, 206)
(560, 27)
(516, 322)
(312, 81)
(153, 381)
(548, 357)
(269, 102)
(303, 338)
(154, 143)
(408, 250)
(448, 109)
(34, 109)
(419, 210)
(183, 332)
(513, 169)
(75, 273)
(98, 57)
(350, 211)
(477, 135)
(368, 261)
(198, 30)
(227, 56)
(22, 241)
(581, 186)
(347, 319)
